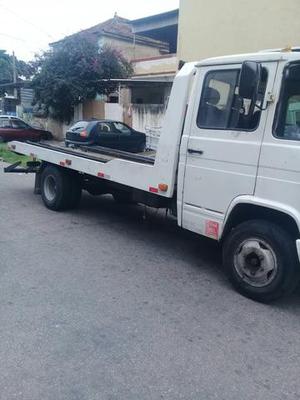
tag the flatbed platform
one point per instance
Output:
(98, 153)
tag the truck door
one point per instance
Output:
(223, 146)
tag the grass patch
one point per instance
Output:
(11, 157)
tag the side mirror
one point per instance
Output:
(249, 79)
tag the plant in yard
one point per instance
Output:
(73, 71)
(10, 157)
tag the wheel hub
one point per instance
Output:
(50, 187)
(255, 262)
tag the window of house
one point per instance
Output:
(221, 107)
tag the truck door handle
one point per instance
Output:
(192, 151)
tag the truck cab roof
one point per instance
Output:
(263, 56)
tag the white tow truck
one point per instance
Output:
(227, 166)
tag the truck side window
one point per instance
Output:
(221, 107)
(217, 99)
(289, 121)
(292, 120)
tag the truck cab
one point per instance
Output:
(240, 151)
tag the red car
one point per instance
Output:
(13, 128)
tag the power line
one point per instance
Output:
(28, 22)
(19, 39)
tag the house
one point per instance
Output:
(150, 44)
(17, 98)
(209, 29)
(117, 32)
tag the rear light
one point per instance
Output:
(163, 187)
(83, 133)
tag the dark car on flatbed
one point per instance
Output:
(106, 133)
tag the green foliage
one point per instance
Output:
(6, 69)
(10, 157)
(6, 73)
(71, 73)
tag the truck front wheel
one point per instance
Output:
(261, 260)
(60, 189)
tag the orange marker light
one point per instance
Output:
(163, 187)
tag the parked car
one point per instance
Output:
(13, 128)
(106, 133)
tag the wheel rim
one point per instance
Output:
(50, 187)
(255, 262)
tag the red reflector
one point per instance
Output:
(153, 189)
(68, 162)
(100, 175)
(62, 163)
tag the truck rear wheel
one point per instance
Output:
(261, 260)
(60, 189)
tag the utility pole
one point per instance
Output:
(14, 74)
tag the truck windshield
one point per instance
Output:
(288, 119)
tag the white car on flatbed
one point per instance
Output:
(227, 166)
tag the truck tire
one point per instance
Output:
(60, 189)
(261, 261)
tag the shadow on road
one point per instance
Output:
(163, 232)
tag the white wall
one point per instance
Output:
(216, 28)
(148, 118)
(113, 111)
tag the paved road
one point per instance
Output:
(99, 304)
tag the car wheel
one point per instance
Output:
(261, 260)
(142, 148)
(60, 189)
(47, 136)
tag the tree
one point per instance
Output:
(6, 72)
(23, 70)
(72, 72)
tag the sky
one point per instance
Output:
(27, 27)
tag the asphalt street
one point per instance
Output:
(101, 303)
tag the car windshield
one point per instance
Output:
(19, 124)
(79, 126)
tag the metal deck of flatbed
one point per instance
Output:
(98, 153)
